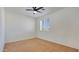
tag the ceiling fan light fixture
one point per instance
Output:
(34, 12)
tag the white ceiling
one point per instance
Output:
(22, 10)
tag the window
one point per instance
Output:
(44, 25)
(41, 28)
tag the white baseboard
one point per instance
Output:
(24, 38)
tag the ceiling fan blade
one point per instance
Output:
(29, 9)
(39, 8)
(43, 9)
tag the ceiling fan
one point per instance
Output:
(36, 9)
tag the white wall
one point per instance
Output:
(19, 27)
(2, 27)
(64, 27)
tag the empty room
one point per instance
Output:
(39, 29)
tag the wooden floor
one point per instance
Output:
(36, 45)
